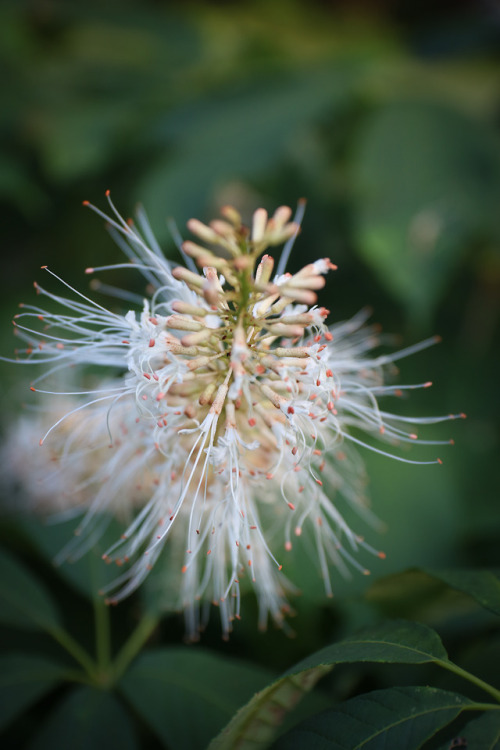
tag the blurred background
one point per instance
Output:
(385, 115)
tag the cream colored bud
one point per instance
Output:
(211, 286)
(180, 323)
(219, 399)
(309, 282)
(304, 319)
(197, 251)
(273, 397)
(259, 224)
(222, 229)
(207, 234)
(282, 215)
(230, 415)
(277, 236)
(179, 306)
(197, 362)
(232, 215)
(208, 394)
(195, 339)
(281, 329)
(305, 296)
(264, 269)
(193, 280)
(292, 351)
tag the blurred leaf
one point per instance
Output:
(392, 642)
(235, 135)
(24, 602)
(482, 585)
(17, 185)
(187, 696)
(80, 139)
(480, 734)
(405, 594)
(428, 181)
(394, 718)
(89, 573)
(256, 723)
(24, 679)
(87, 719)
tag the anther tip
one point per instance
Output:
(85, 203)
(89, 270)
(107, 193)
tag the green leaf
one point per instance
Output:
(393, 718)
(392, 642)
(428, 181)
(87, 719)
(480, 734)
(482, 585)
(187, 695)
(24, 679)
(24, 603)
(255, 724)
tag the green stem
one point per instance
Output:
(67, 642)
(133, 645)
(102, 635)
(470, 677)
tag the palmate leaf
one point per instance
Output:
(24, 603)
(394, 718)
(23, 679)
(482, 585)
(394, 642)
(187, 695)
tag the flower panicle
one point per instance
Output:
(237, 401)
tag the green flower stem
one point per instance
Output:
(102, 634)
(68, 643)
(133, 645)
(470, 677)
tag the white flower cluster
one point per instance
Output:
(227, 430)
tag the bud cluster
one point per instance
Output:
(236, 404)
